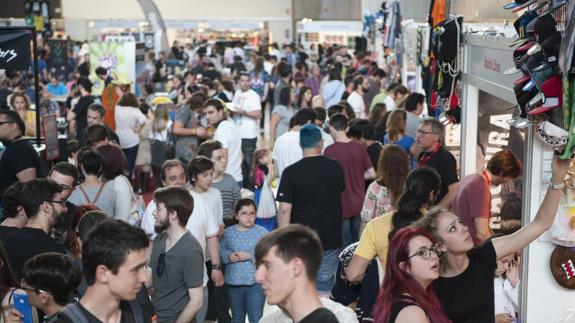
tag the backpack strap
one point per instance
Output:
(85, 195)
(74, 313)
(99, 192)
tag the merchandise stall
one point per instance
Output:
(487, 96)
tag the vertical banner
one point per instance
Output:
(51, 135)
(59, 58)
(15, 49)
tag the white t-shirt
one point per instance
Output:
(287, 150)
(248, 101)
(124, 196)
(228, 134)
(213, 198)
(162, 135)
(343, 314)
(127, 118)
(201, 224)
(327, 140)
(389, 103)
(356, 102)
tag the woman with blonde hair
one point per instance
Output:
(395, 127)
(21, 104)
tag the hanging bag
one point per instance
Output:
(267, 204)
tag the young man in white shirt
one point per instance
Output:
(228, 134)
(200, 172)
(247, 109)
(355, 99)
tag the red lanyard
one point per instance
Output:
(486, 176)
(427, 156)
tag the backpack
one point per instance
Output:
(73, 312)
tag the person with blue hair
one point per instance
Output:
(310, 194)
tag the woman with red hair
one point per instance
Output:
(406, 293)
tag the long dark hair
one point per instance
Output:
(7, 278)
(418, 186)
(398, 281)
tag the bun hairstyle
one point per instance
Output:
(419, 185)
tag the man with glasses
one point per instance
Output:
(176, 260)
(49, 280)
(429, 138)
(66, 175)
(43, 202)
(20, 162)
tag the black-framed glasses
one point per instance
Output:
(426, 253)
(161, 266)
(57, 202)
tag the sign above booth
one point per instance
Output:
(488, 57)
(330, 26)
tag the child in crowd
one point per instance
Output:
(263, 195)
(237, 252)
(506, 288)
(225, 183)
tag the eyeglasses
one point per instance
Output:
(161, 266)
(57, 202)
(32, 289)
(423, 133)
(426, 253)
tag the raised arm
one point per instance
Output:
(543, 219)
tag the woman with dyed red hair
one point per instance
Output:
(406, 293)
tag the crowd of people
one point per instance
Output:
(310, 182)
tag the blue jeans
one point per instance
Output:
(131, 154)
(246, 299)
(326, 274)
(350, 230)
(248, 150)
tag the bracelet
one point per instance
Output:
(557, 187)
(216, 267)
(195, 131)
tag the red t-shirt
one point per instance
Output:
(354, 161)
(472, 200)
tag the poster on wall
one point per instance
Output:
(59, 58)
(494, 134)
(118, 58)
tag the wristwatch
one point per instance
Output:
(557, 186)
(216, 267)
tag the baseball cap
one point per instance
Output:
(551, 96)
(518, 4)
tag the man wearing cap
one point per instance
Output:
(79, 114)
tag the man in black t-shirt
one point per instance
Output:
(66, 175)
(79, 113)
(14, 215)
(287, 264)
(114, 263)
(310, 194)
(20, 162)
(43, 202)
(429, 138)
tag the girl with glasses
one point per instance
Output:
(406, 293)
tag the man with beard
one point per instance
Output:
(177, 258)
(355, 98)
(43, 202)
